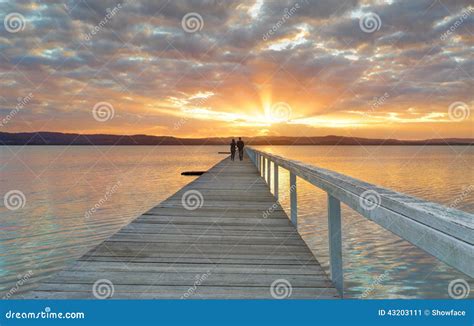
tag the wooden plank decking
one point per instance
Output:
(223, 249)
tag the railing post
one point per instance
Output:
(275, 180)
(263, 167)
(269, 169)
(335, 243)
(293, 200)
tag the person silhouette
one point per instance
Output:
(240, 146)
(233, 146)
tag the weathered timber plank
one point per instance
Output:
(225, 236)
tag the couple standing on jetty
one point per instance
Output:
(240, 145)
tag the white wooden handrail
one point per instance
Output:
(445, 233)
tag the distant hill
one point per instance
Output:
(57, 138)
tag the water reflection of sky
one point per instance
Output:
(61, 184)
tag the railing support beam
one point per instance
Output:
(335, 243)
(293, 200)
(275, 180)
(269, 169)
(449, 232)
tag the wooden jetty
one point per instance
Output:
(224, 235)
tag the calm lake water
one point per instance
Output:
(62, 185)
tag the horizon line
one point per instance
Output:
(225, 137)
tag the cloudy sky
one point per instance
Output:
(388, 69)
